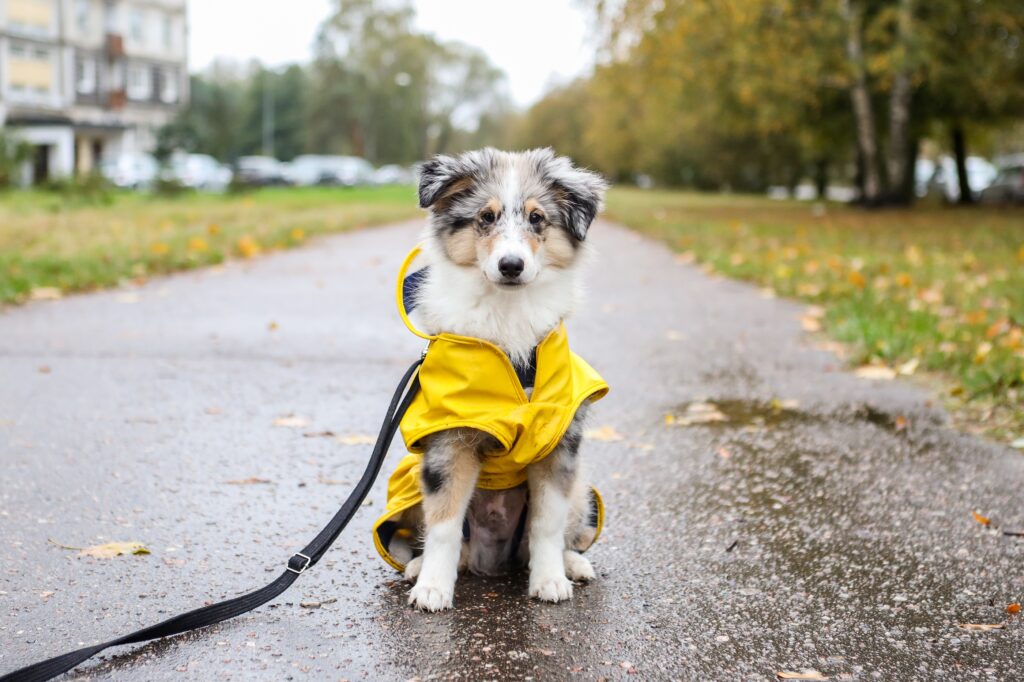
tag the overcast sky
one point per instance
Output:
(538, 43)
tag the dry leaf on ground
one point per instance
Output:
(1013, 608)
(113, 549)
(356, 439)
(802, 675)
(909, 367)
(252, 480)
(983, 520)
(810, 324)
(982, 626)
(45, 294)
(697, 413)
(878, 372)
(292, 421)
(604, 433)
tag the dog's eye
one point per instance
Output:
(487, 217)
(536, 218)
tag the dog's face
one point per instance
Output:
(510, 214)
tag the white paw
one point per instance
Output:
(554, 588)
(431, 597)
(577, 567)
(412, 569)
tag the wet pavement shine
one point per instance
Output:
(815, 522)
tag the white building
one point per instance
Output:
(83, 80)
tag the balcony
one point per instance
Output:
(116, 99)
(115, 46)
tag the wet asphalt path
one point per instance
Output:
(822, 536)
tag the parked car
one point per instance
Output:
(393, 174)
(130, 171)
(260, 171)
(318, 169)
(198, 171)
(1008, 187)
(350, 171)
(980, 174)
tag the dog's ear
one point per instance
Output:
(579, 193)
(442, 177)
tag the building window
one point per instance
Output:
(169, 86)
(82, 15)
(33, 17)
(139, 82)
(137, 28)
(29, 71)
(168, 32)
(85, 75)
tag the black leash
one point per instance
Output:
(297, 564)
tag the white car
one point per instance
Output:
(393, 174)
(980, 174)
(199, 171)
(130, 171)
(317, 169)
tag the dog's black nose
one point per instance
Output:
(511, 266)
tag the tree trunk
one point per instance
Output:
(960, 152)
(899, 108)
(860, 95)
(821, 178)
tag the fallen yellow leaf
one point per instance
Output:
(113, 549)
(298, 234)
(856, 279)
(252, 480)
(356, 439)
(213, 229)
(983, 520)
(810, 324)
(197, 245)
(45, 294)
(604, 433)
(292, 421)
(876, 372)
(1013, 608)
(247, 247)
(699, 413)
(909, 367)
(159, 249)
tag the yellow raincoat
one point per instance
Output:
(470, 383)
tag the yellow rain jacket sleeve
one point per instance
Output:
(471, 383)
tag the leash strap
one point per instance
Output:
(297, 564)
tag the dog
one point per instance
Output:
(506, 244)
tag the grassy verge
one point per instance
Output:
(50, 245)
(934, 289)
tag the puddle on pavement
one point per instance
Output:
(754, 415)
(735, 414)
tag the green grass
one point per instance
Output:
(933, 288)
(50, 244)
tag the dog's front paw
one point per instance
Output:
(577, 567)
(412, 569)
(553, 588)
(426, 597)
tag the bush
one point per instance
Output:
(13, 153)
(92, 188)
(169, 187)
